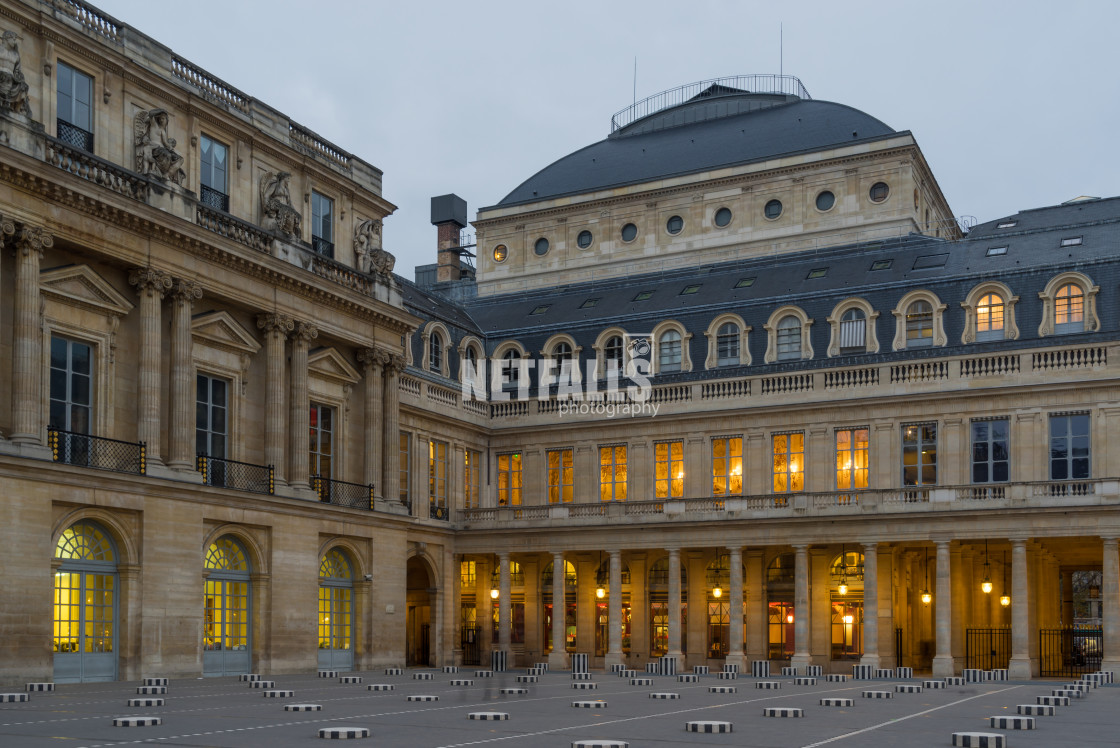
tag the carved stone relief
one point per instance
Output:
(155, 148)
(13, 87)
(277, 213)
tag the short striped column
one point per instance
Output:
(804, 680)
(979, 740)
(727, 675)
(278, 694)
(1052, 700)
(498, 661)
(667, 665)
(972, 675)
(581, 676)
(617, 667)
(933, 684)
(862, 672)
(137, 721)
(580, 662)
(730, 667)
(953, 680)
(688, 678)
(1068, 693)
(1001, 722)
(877, 694)
(700, 669)
(760, 668)
(461, 682)
(484, 673)
(708, 726)
(541, 666)
(627, 673)
(836, 678)
(814, 671)
(303, 707)
(527, 678)
(491, 716)
(1036, 710)
(884, 673)
(837, 702)
(997, 675)
(450, 669)
(155, 681)
(584, 685)
(421, 697)
(394, 671)
(350, 679)
(145, 702)
(641, 681)
(782, 711)
(652, 667)
(248, 677)
(722, 689)
(789, 672)
(423, 676)
(513, 691)
(328, 673)
(768, 685)
(664, 695)
(597, 704)
(40, 687)
(904, 672)
(380, 687)
(595, 743)
(534, 671)
(157, 690)
(343, 733)
(907, 688)
(11, 698)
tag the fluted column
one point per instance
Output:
(373, 361)
(300, 404)
(276, 328)
(1020, 665)
(614, 612)
(504, 603)
(870, 605)
(27, 339)
(151, 284)
(735, 602)
(393, 365)
(674, 611)
(801, 657)
(558, 657)
(1110, 600)
(7, 229)
(182, 390)
(943, 653)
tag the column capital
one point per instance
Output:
(1019, 541)
(558, 555)
(870, 545)
(150, 279)
(504, 556)
(33, 239)
(735, 548)
(372, 359)
(395, 364)
(185, 290)
(615, 553)
(273, 322)
(7, 228)
(1109, 540)
(305, 332)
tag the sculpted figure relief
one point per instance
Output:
(277, 213)
(13, 87)
(367, 248)
(155, 149)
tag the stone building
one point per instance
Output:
(237, 442)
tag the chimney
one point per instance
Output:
(449, 215)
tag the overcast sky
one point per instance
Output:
(1015, 104)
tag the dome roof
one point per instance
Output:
(641, 153)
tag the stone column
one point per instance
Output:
(299, 419)
(182, 390)
(151, 284)
(27, 338)
(1110, 603)
(393, 365)
(943, 654)
(674, 608)
(7, 228)
(735, 603)
(558, 657)
(614, 612)
(504, 604)
(801, 657)
(276, 328)
(372, 361)
(870, 605)
(756, 607)
(1020, 664)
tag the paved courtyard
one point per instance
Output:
(228, 712)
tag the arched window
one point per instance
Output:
(435, 352)
(561, 353)
(659, 608)
(226, 612)
(470, 356)
(1069, 309)
(789, 338)
(853, 331)
(989, 317)
(336, 616)
(919, 325)
(85, 605)
(511, 367)
(669, 352)
(727, 344)
(612, 351)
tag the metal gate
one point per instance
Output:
(1070, 652)
(987, 649)
(469, 644)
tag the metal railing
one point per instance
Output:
(342, 493)
(212, 198)
(322, 246)
(436, 511)
(788, 85)
(242, 476)
(75, 136)
(97, 452)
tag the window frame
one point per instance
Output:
(853, 451)
(62, 68)
(404, 467)
(794, 479)
(1049, 296)
(669, 454)
(616, 488)
(989, 461)
(771, 327)
(206, 172)
(316, 432)
(732, 458)
(318, 217)
(560, 478)
(209, 405)
(510, 478)
(472, 478)
(439, 474)
(918, 449)
(901, 312)
(1069, 435)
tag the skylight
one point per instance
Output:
(1006, 224)
(745, 283)
(541, 309)
(882, 264)
(931, 261)
(690, 289)
(643, 295)
(1071, 241)
(817, 273)
(589, 303)
(993, 251)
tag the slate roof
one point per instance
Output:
(800, 126)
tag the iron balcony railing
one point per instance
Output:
(322, 246)
(75, 136)
(97, 452)
(212, 198)
(437, 511)
(341, 493)
(242, 476)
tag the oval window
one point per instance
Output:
(674, 225)
(825, 201)
(773, 209)
(629, 232)
(500, 253)
(723, 217)
(878, 192)
(541, 247)
(584, 239)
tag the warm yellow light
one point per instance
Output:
(494, 594)
(680, 474)
(600, 593)
(986, 585)
(737, 470)
(789, 618)
(717, 592)
(1005, 600)
(848, 619)
(794, 467)
(843, 588)
(926, 597)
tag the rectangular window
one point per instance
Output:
(919, 454)
(612, 473)
(851, 459)
(71, 385)
(561, 476)
(467, 575)
(321, 441)
(509, 479)
(1069, 447)
(75, 107)
(668, 464)
(472, 493)
(990, 452)
(322, 224)
(437, 475)
(1072, 241)
(996, 251)
(727, 466)
(789, 462)
(211, 429)
(213, 168)
(405, 474)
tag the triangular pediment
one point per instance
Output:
(81, 286)
(328, 363)
(221, 330)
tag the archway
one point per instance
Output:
(420, 593)
(336, 612)
(227, 615)
(85, 605)
(845, 589)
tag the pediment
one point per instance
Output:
(81, 286)
(328, 363)
(220, 330)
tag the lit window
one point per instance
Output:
(919, 325)
(727, 344)
(773, 209)
(629, 231)
(643, 295)
(989, 317)
(435, 352)
(825, 201)
(1069, 309)
(321, 453)
(990, 452)
(584, 239)
(669, 352)
(744, 283)
(322, 224)
(723, 217)
(437, 479)
(540, 248)
(690, 289)
(853, 332)
(851, 459)
(789, 338)
(1072, 241)
(509, 479)
(789, 462)
(882, 264)
(75, 107)
(612, 473)
(214, 167)
(561, 476)
(817, 273)
(472, 478)
(668, 464)
(919, 454)
(500, 253)
(1069, 447)
(879, 192)
(727, 466)
(674, 225)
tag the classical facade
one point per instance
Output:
(748, 391)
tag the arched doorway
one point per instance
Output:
(336, 612)
(419, 598)
(85, 605)
(227, 613)
(845, 587)
(659, 608)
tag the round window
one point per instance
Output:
(500, 253)
(879, 192)
(629, 232)
(584, 239)
(723, 217)
(773, 209)
(541, 247)
(825, 201)
(674, 225)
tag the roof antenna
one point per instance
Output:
(635, 79)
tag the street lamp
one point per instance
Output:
(926, 597)
(986, 584)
